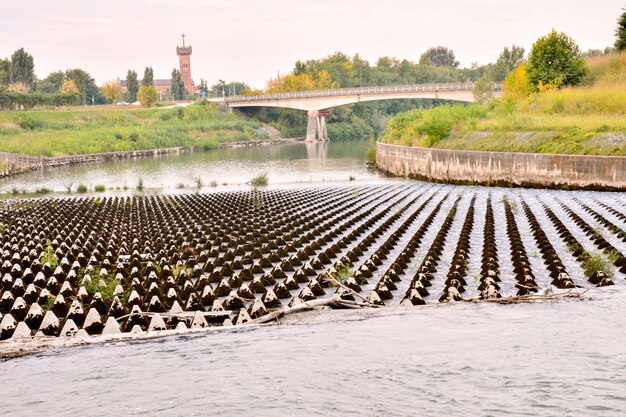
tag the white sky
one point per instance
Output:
(250, 40)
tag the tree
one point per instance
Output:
(483, 90)
(111, 91)
(148, 76)
(69, 87)
(88, 91)
(439, 56)
(52, 83)
(507, 61)
(5, 72)
(555, 60)
(301, 82)
(22, 69)
(239, 87)
(516, 85)
(620, 32)
(132, 85)
(18, 88)
(147, 95)
(178, 86)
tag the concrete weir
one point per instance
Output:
(78, 267)
(504, 168)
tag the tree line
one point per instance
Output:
(20, 88)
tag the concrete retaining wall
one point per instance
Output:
(503, 168)
(13, 163)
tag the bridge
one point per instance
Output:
(317, 102)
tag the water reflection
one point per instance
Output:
(295, 163)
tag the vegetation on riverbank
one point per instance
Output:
(82, 131)
(586, 119)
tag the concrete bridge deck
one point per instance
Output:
(315, 101)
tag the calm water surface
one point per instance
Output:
(292, 164)
(550, 359)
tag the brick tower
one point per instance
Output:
(184, 59)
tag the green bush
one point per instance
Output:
(370, 156)
(425, 127)
(30, 123)
(81, 188)
(99, 188)
(260, 180)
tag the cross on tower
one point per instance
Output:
(183, 35)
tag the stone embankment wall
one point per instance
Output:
(503, 168)
(11, 163)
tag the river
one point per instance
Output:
(286, 165)
(564, 358)
(549, 359)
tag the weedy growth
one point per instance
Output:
(49, 256)
(260, 180)
(105, 285)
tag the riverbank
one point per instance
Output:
(69, 132)
(583, 120)
(503, 169)
(12, 164)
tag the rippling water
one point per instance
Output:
(547, 359)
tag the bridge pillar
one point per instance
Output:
(316, 126)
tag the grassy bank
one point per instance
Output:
(587, 119)
(82, 131)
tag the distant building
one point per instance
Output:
(184, 62)
(163, 86)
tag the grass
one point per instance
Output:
(586, 119)
(105, 285)
(260, 180)
(595, 262)
(48, 255)
(48, 304)
(341, 276)
(99, 188)
(199, 184)
(79, 131)
(43, 190)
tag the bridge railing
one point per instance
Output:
(434, 87)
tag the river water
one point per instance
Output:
(564, 358)
(285, 165)
(550, 359)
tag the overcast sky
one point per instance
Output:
(250, 40)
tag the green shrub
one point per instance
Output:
(48, 255)
(43, 190)
(99, 188)
(260, 180)
(81, 188)
(105, 285)
(595, 262)
(30, 123)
